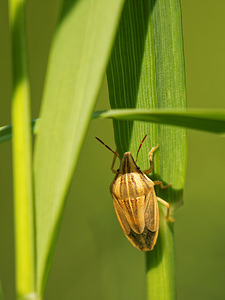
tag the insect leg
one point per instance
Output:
(150, 160)
(113, 163)
(168, 208)
(156, 182)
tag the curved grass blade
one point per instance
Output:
(199, 119)
(77, 63)
(6, 131)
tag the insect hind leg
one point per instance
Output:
(168, 209)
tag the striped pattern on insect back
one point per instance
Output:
(131, 185)
(143, 241)
(132, 192)
(134, 211)
(135, 204)
(152, 211)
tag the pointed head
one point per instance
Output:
(127, 164)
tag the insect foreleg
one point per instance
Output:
(113, 162)
(168, 208)
(156, 182)
(150, 160)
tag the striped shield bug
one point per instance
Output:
(135, 201)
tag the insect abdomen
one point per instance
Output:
(145, 241)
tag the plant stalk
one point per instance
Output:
(160, 264)
(22, 165)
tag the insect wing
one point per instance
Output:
(142, 235)
(145, 241)
(131, 212)
(121, 217)
(152, 212)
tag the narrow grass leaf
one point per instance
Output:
(6, 131)
(78, 59)
(199, 119)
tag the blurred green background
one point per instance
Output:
(93, 259)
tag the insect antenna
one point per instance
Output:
(107, 147)
(140, 147)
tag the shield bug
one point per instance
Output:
(135, 201)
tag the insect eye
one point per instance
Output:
(138, 168)
(117, 170)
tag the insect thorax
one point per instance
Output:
(131, 185)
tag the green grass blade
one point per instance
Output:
(138, 78)
(131, 78)
(171, 93)
(77, 63)
(6, 131)
(22, 166)
(132, 81)
(199, 119)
